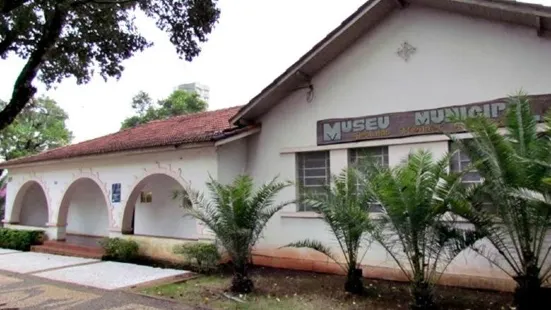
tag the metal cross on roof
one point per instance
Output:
(406, 50)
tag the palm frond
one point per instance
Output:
(418, 230)
(316, 246)
(235, 212)
(515, 168)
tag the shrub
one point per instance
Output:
(20, 240)
(204, 256)
(121, 250)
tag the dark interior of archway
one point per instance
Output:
(34, 207)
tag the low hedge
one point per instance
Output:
(20, 240)
(204, 257)
(121, 250)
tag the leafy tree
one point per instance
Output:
(180, 102)
(515, 167)
(345, 209)
(142, 102)
(237, 215)
(418, 230)
(75, 38)
(39, 127)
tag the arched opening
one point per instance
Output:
(151, 209)
(30, 207)
(84, 209)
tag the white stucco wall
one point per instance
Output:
(459, 60)
(34, 207)
(189, 166)
(232, 160)
(87, 214)
(163, 217)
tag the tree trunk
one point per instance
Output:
(529, 293)
(241, 283)
(23, 90)
(423, 299)
(354, 284)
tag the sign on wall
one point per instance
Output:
(116, 192)
(412, 123)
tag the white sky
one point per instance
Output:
(254, 42)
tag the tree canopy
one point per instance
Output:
(40, 126)
(180, 102)
(77, 38)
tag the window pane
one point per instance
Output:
(461, 162)
(314, 163)
(472, 176)
(376, 208)
(313, 175)
(376, 154)
(315, 181)
(314, 172)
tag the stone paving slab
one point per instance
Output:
(24, 291)
(28, 262)
(110, 275)
(8, 251)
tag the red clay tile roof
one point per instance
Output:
(200, 127)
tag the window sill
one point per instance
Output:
(304, 215)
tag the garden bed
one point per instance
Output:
(287, 289)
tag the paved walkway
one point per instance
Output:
(43, 281)
(83, 271)
(19, 291)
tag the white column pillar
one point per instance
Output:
(55, 232)
(338, 160)
(10, 217)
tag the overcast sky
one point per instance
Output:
(254, 42)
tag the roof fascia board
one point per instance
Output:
(298, 66)
(105, 156)
(237, 137)
(516, 7)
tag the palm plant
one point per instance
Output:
(344, 208)
(514, 167)
(418, 229)
(237, 215)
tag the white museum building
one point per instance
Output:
(383, 83)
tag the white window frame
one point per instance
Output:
(301, 176)
(380, 152)
(461, 164)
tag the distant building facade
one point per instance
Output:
(201, 89)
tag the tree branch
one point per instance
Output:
(80, 2)
(23, 89)
(5, 44)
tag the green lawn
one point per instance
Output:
(208, 291)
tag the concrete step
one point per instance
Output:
(71, 246)
(77, 251)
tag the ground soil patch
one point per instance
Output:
(287, 289)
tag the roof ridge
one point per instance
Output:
(182, 116)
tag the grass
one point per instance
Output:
(285, 289)
(208, 291)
